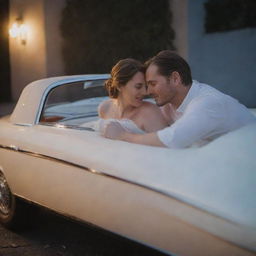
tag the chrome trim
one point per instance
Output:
(26, 125)
(39, 155)
(30, 153)
(14, 147)
(67, 126)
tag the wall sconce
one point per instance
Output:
(19, 30)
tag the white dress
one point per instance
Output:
(127, 124)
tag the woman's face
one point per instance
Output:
(134, 91)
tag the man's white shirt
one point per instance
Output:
(204, 115)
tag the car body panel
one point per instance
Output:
(154, 195)
(30, 103)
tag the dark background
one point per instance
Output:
(5, 87)
(112, 30)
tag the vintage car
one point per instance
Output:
(193, 201)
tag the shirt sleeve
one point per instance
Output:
(202, 117)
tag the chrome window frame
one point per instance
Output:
(53, 86)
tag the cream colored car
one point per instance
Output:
(195, 201)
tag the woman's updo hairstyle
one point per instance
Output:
(121, 74)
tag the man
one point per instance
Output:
(197, 113)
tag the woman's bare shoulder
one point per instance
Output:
(104, 107)
(149, 107)
(153, 119)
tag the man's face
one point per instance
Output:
(161, 88)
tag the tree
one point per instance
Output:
(96, 34)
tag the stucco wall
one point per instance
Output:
(54, 61)
(179, 10)
(225, 60)
(40, 57)
(27, 61)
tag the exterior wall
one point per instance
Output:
(224, 60)
(39, 57)
(54, 61)
(27, 61)
(179, 9)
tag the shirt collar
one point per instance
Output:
(192, 93)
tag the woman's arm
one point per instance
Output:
(115, 131)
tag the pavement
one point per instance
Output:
(52, 235)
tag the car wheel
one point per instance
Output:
(14, 212)
(7, 202)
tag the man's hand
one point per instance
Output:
(114, 131)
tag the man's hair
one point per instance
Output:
(168, 62)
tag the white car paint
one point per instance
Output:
(187, 202)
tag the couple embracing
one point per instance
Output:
(186, 113)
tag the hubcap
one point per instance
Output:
(5, 196)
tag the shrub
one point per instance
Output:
(96, 34)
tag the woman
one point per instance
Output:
(127, 89)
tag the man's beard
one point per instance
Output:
(161, 103)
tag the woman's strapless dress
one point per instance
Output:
(127, 124)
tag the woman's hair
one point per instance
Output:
(121, 73)
(167, 62)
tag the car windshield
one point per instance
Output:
(73, 104)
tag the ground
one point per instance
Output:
(53, 235)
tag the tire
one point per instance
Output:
(14, 212)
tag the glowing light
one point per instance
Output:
(14, 30)
(19, 30)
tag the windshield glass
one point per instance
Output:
(73, 104)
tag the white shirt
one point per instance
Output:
(204, 115)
